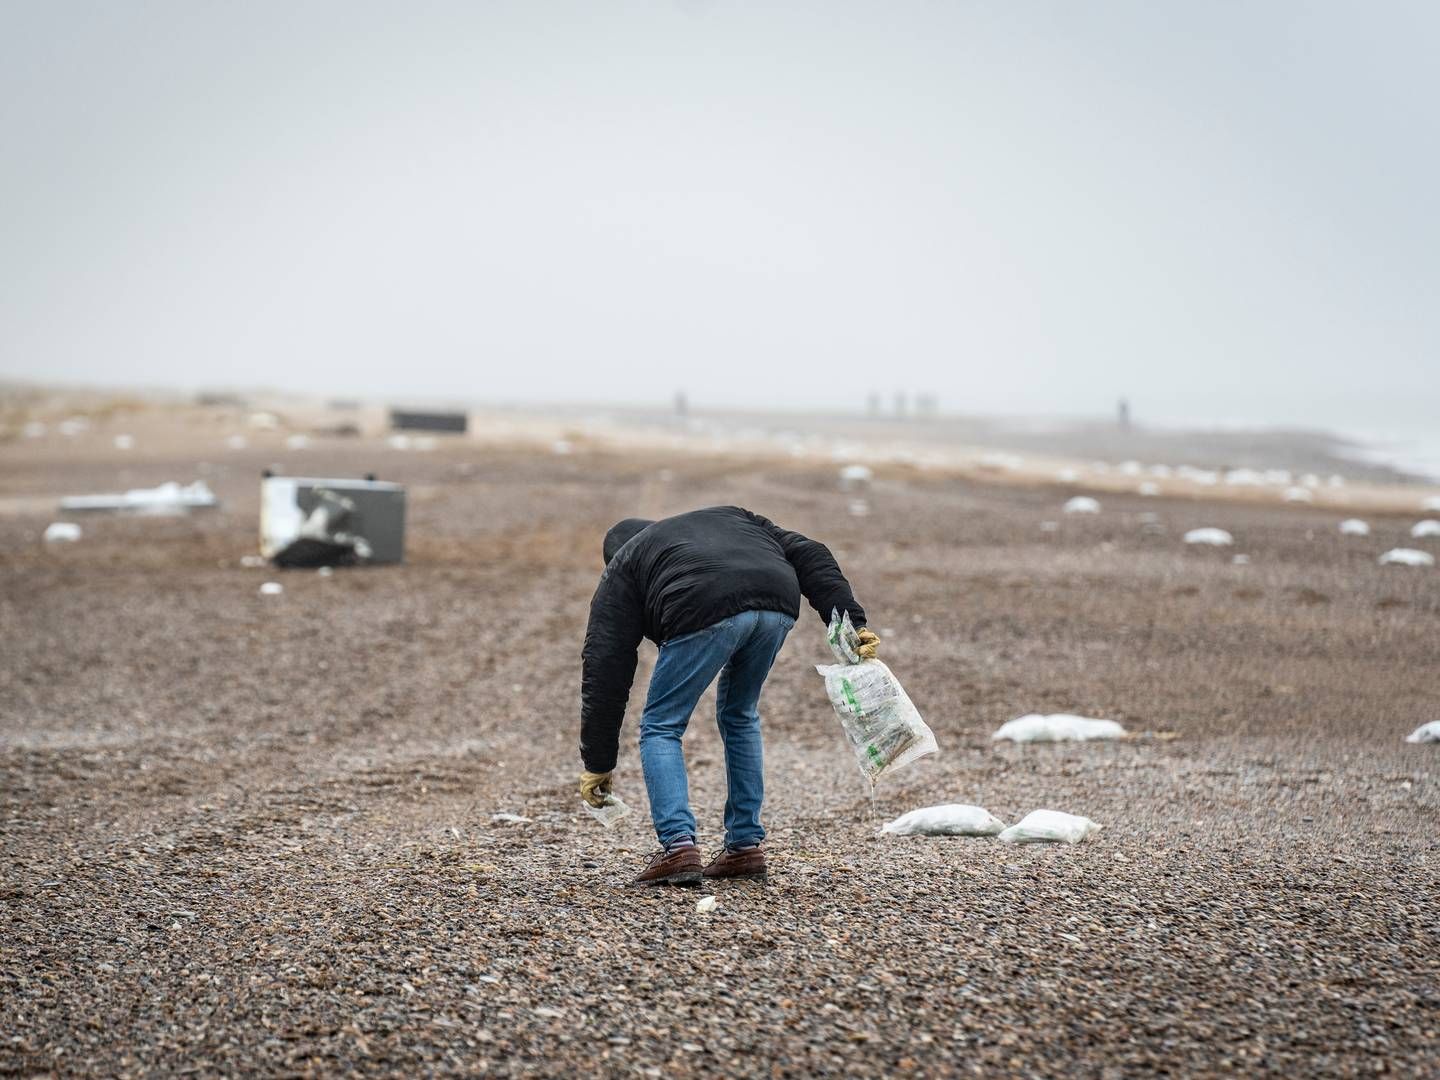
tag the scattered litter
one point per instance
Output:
(1049, 826)
(1407, 557)
(952, 819)
(1208, 535)
(308, 522)
(705, 904)
(610, 812)
(1422, 529)
(1425, 733)
(271, 588)
(1354, 527)
(62, 532)
(124, 442)
(1060, 727)
(1299, 494)
(1082, 504)
(510, 819)
(168, 498)
(1149, 488)
(883, 726)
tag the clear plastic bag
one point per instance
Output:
(610, 813)
(883, 726)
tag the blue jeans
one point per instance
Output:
(740, 650)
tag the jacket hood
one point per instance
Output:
(620, 534)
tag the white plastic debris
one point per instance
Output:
(62, 532)
(1422, 529)
(1430, 502)
(1425, 733)
(1082, 504)
(884, 727)
(952, 819)
(124, 442)
(1299, 494)
(1060, 727)
(1354, 527)
(1148, 488)
(610, 813)
(705, 904)
(510, 819)
(168, 497)
(1407, 557)
(271, 588)
(1049, 827)
(1209, 535)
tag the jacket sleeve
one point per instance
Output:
(821, 581)
(617, 623)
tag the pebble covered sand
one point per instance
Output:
(256, 834)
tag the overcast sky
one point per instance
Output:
(1226, 211)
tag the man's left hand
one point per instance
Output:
(869, 644)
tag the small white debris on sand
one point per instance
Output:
(705, 904)
(1425, 733)
(237, 442)
(1407, 557)
(510, 819)
(1059, 727)
(561, 447)
(1209, 535)
(1299, 494)
(62, 532)
(1422, 529)
(1082, 504)
(1148, 487)
(1430, 502)
(124, 442)
(271, 588)
(1354, 527)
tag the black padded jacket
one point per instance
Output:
(682, 574)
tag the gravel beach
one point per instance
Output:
(257, 834)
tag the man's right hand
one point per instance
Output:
(594, 786)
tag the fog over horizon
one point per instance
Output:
(1223, 212)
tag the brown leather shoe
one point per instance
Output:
(678, 867)
(749, 863)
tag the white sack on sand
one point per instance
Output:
(271, 588)
(1422, 529)
(1425, 733)
(1082, 504)
(62, 532)
(1354, 527)
(1407, 557)
(952, 819)
(1208, 535)
(1049, 827)
(1060, 727)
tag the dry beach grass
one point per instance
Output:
(255, 834)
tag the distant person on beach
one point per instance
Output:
(717, 590)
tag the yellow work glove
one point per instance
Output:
(869, 642)
(594, 786)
